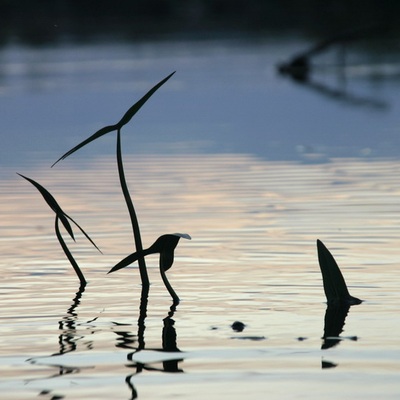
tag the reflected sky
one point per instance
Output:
(226, 97)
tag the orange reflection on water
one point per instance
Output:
(252, 258)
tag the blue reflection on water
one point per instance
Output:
(225, 97)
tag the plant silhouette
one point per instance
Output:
(117, 127)
(165, 245)
(335, 287)
(123, 121)
(63, 217)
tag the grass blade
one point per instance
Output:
(87, 236)
(95, 136)
(123, 121)
(127, 261)
(51, 201)
(138, 105)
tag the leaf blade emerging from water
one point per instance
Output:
(335, 287)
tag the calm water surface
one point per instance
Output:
(255, 169)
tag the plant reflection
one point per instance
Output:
(335, 317)
(333, 325)
(67, 341)
(168, 339)
(69, 337)
(338, 298)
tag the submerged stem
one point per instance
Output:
(135, 224)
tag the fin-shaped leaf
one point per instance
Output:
(123, 121)
(51, 201)
(334, 284)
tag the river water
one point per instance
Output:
(255, 167)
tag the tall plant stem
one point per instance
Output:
(69, 255)
(135, 224)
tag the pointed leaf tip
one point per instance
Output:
(138, 105)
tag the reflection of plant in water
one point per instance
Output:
(68, 338)
(338, 298)
(170, 363)
(63, 217)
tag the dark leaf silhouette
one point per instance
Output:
(71, 259)
(61, 215)
(123, 121)
(165, 245)
(335, 287)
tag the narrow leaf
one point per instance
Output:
(123, 121)
(51, 201)
(95, 136)
(127, 261)
(136, 107)
(87, 236)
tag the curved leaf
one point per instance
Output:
(127, 261)
(95, 136)
(87, 236)
(61, 215)
(123, 121)
(51, 201)
(137, 106)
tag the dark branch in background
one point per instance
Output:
(299, 66)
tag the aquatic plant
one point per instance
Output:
(117, 127)
(63, 217)
(165, 245)
(335, 287)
